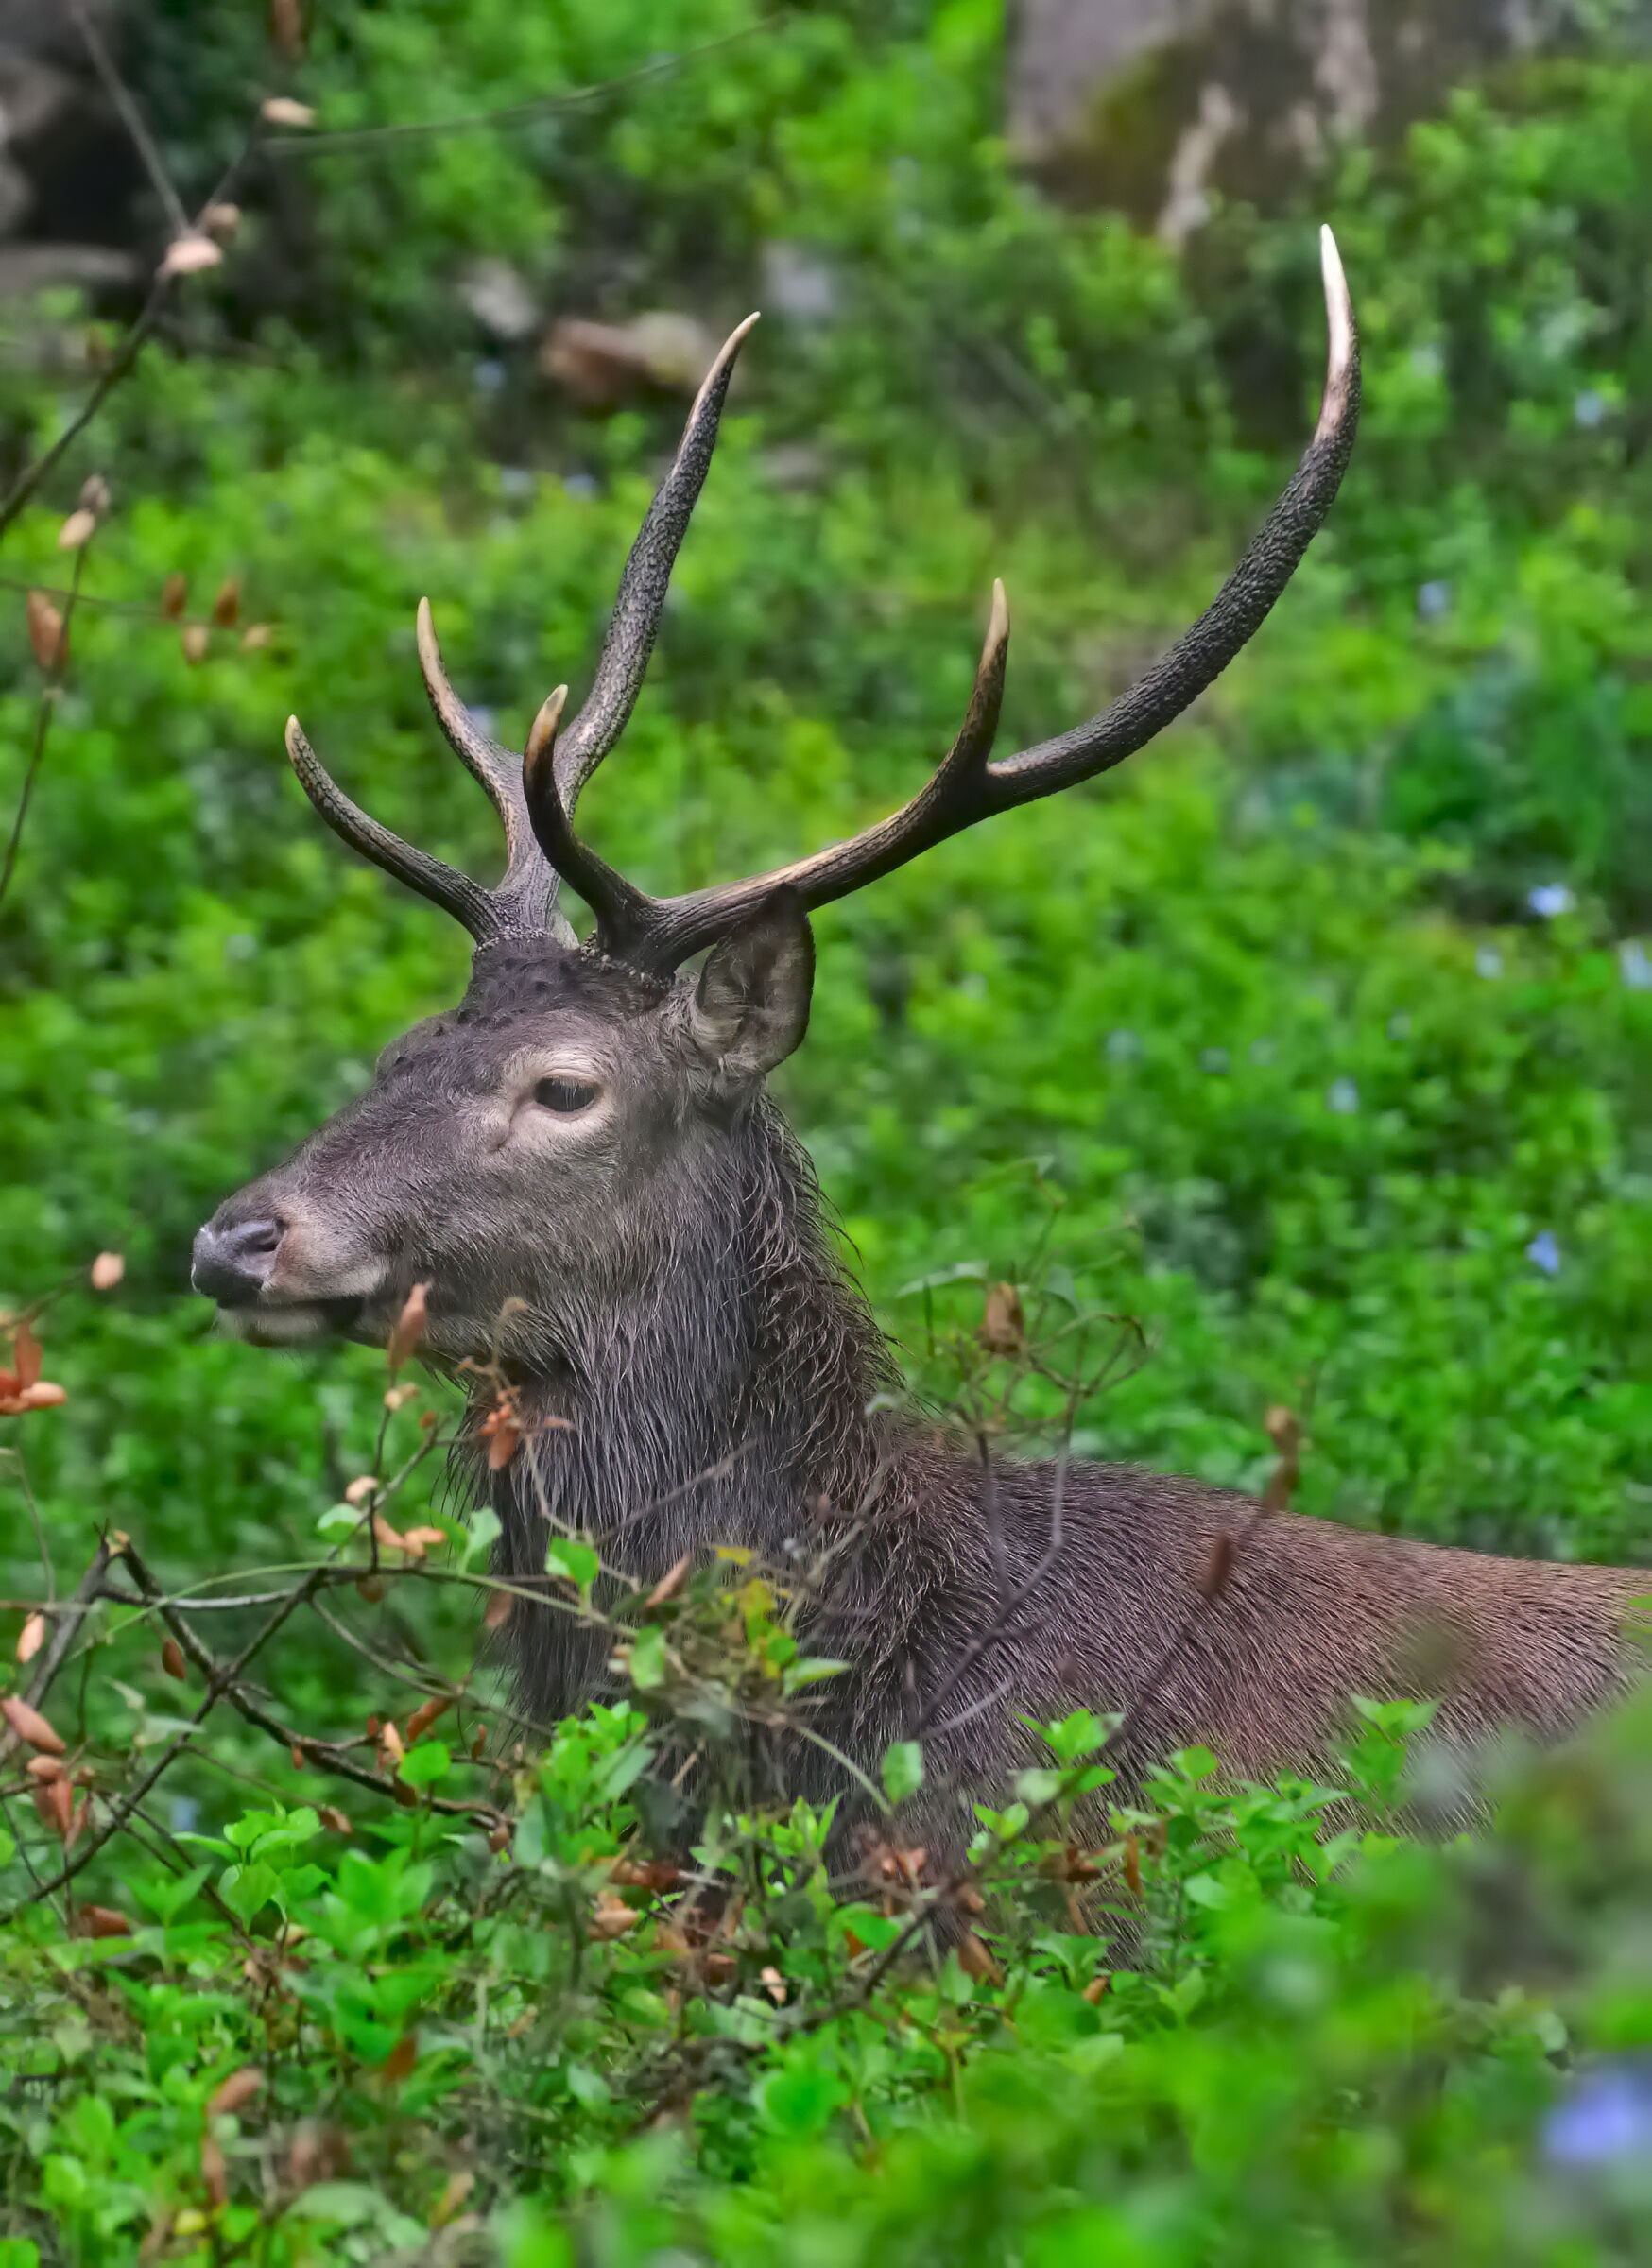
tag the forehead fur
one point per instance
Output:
(521, 980)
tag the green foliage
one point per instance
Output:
(1261, 1062)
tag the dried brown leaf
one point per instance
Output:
(330, 1815)
(32, 1728)
(46, 638)
(101, 1921)
(220, 221)
(358, 1490)
(172, 1660)
(78, 529)
(611, 1916)
(409, 1327)
(424, 1716)
(1133, 1864)
(1218, 1567)
(281, 110)
(1096, 1991)
(459, 2187)
(671, 1582)
(189, 254)
(174, 596)
(43, 1768)
(227, 605)
(31, 1638)
(498, 1612)
(236, 2092)
(297, 1753)
(95, 496)
(1003, 1322)
(398, 2063)
(214, 2172)
(193, 642)
(256, 636)
(107, 1271)
(975, 1960)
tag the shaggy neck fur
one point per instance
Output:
(721, 1398)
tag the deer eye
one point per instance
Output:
(566, 1095)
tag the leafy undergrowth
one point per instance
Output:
(446, 1986)
(320, 2042)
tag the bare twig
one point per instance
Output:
(515, 114)
(66, 1621)
(43, 724)
(130, 117)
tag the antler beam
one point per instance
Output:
(659, 934)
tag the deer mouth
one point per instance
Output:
(294, 1322)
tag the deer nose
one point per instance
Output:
(232, 1266)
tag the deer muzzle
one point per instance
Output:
(231, 1264)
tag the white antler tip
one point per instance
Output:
(543, 733)
(998, 622)
(726, 353)
(1339, 305)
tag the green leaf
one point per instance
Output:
(648, 1659)
(902, 1770)
(426, 1764)
(579, 1562)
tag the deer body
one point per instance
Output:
(583, 1165)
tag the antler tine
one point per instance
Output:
(433, 878)
(660, 934)
(1200, 654)
(641, 597)
(527, 888)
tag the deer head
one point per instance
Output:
(554, 1139)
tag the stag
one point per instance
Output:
(582, 1163)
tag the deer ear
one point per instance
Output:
(751, 1003)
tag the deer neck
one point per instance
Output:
(721, 1397)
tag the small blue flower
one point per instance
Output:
(185, 1813)
(1634, 966)
(1434, 601)
(1549, 899)
(1544, 1253)
(1607, 2117)
(581, 486)
(1342, 1096)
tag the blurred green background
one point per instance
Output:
(1326, 1022)
(1325, 1026)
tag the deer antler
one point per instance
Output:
(523, 901)
(659, 934)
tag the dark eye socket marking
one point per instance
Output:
(566, 1095)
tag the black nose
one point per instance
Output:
(232, 1266)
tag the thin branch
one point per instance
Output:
(130, 117)
(43, 724)
(66, 1621)
(516, 113)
